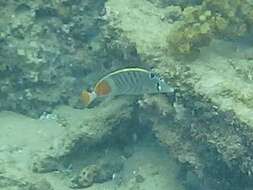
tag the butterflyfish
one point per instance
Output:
(128, 81)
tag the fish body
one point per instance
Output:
(128, 81)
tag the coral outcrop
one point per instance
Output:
(67, 144)
(210, 129)
(209, 20)
(47, 51)
(86, 129)
(41, 53)
(47, 48)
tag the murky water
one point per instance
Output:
(168, 85)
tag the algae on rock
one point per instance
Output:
(192, 32)
(213, 132)
(209, 20)
(48, 49)
(95, 125)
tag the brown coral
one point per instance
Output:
(211, 19)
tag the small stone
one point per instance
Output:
(128, 151)
(139, 178)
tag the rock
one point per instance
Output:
(139, 178)
(98, 173)
(85, 178)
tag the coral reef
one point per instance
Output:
(212, 19)
(210, 130)
(49, 48)
(169, 131)
(39, 57)
(47, 51)
(201, 142)
(194, 31)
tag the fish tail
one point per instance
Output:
(87, 97)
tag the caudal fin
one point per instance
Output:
(87, 97)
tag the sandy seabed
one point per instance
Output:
(21, 137)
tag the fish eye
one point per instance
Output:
(90, 89)
(152, 75)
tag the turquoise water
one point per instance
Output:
(197, 137)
